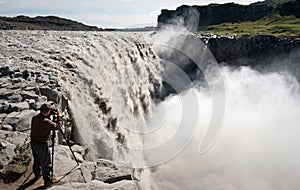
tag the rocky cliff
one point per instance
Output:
(249, 50)
(221, 13)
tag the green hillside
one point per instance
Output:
(273, 24)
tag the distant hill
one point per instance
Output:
(214, 14)
(43, 23)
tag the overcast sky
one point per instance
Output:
(101, 13)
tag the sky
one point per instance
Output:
(102, 13)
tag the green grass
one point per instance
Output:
(283, 26)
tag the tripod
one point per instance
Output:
(73, 154)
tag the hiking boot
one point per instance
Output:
(36, 177)
(48, 183)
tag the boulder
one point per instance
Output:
(4, 107)
(19, 155)
(102, 170)
(29, 95)
(32, 104)
(5, 83)
(17, 107)
(63, 161)
(14, 137)
(25, 74)
(83, 173)
(79, 149)
(7, 127)
(107, 171)
(20, 120)
(4, 71)
(42, 79)
(7, 152)
(5, 93)
(16, 98)
(51, 95)
(37, 105)
(122, 185)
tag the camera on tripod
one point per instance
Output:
(53, 111)
(53, 114)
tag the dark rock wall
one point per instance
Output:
(230, 12)
(249, 50)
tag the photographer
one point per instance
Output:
(41, 127)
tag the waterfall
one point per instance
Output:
(109, 81)
(224, 128)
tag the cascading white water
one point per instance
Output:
(110, 80)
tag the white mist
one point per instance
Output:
(258, 147)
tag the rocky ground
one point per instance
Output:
(20, 100)
(55, 67)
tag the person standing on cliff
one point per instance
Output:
(41, 127)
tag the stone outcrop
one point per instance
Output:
(212, 14)
(249, 50)
(122, 185)
(21, 96)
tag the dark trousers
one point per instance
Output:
(41, 160)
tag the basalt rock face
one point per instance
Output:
(249, 50)
(221, 13)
